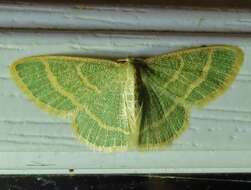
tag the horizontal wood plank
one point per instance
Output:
(89, 17)
(120, 163)
(189, 3)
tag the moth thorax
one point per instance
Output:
(130, 60)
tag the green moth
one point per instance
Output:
(133, 103)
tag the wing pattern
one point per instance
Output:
(95, 93)
(177, 81)
(117, 106)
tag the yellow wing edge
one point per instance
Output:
(163, 146)
(94, 147)
(229, 80)
(190, 49)
(22, 86)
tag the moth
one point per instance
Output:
(132, 103)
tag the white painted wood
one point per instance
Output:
(160, 162)
(31, 141)
(123, 18)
